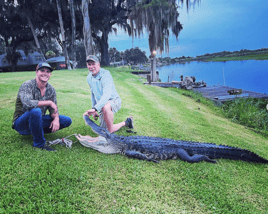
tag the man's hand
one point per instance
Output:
(92, 112)
(55, 124)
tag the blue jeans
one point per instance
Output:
(33, 123)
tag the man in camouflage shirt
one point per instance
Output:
(34, 98)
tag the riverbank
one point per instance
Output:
(224, 56)
(244, 54)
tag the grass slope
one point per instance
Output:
(81, 180)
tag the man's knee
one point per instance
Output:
(65, 121)
(107, 108)
(68, 121)
(36, 112)
(31, 119)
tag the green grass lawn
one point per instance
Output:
(81, 180)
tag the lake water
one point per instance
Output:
(249, 75)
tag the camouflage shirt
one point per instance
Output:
(29, 95)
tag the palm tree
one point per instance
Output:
(141, 13)
(157, 17)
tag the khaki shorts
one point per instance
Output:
(115, 105)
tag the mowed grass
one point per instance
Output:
(81, 180)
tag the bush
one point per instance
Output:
(249, 112)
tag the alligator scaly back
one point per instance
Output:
(155, 148)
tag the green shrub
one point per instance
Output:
(250, 112)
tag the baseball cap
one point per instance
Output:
(92, 58)
(44, 65)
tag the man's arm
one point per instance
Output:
(54, 113)
(55, 124)
(92, 112)
(48, 103)
(53, 106)
(26, 96)
(107, 86)
(93, 99)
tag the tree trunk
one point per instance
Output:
(35, 37)
(105, 60)
(87, 28)
(12, 57)
(63, 36)
(73, 47)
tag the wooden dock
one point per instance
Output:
(215, 93)
(219, 93)
(164, 84)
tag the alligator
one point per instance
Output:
(156, 148)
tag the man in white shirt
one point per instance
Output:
(104, 97)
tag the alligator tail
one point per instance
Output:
(246, 155)
(231, 153)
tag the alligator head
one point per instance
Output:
(104, 144)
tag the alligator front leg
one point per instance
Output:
(138, 155)
(183, 155)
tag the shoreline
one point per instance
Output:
(259, 54)
(224, 56)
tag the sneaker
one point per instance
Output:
(48, 148)
(129, 122)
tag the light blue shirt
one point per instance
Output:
(102, 88)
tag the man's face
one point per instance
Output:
(93, 67)
(43, 74)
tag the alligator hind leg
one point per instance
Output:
(183, 155)
(138, 155)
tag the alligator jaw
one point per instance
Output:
(99, 145)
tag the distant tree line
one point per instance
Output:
(209, 56)
(242, 52)
(131, 56)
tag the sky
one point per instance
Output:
(212, 26)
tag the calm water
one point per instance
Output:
(248, 75)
